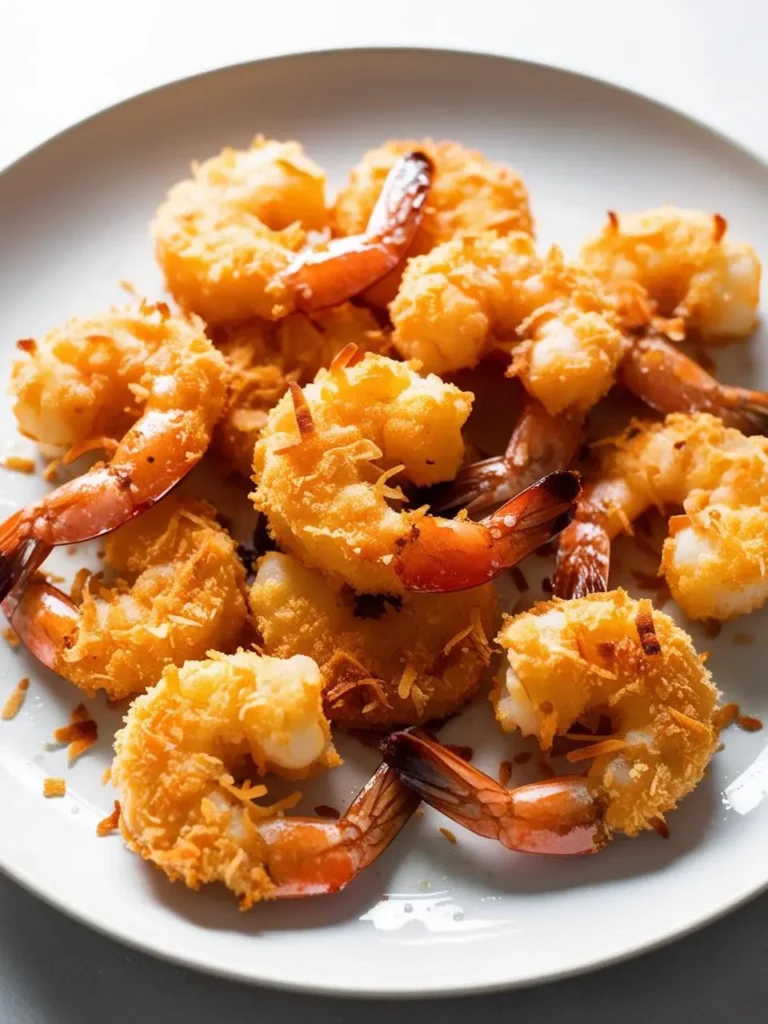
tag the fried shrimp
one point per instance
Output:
(183, 753)
(471, 295)
(232, 240)
(180, 593)
(688, 268)
(469, 194)
(265, 357)
(324, 467)
(385, 662)
(573, 666)
(715, 556)
(151, 378)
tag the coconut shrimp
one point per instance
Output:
(385, 662)
(540, 444)
(324, 467)
(179, 766)
(232, 240)
(715, 556)
(151, 378)
(264, 357)
(471, 295)
(181, 592)
(669, 381)
(469, 194)
(681, 261)
(573, 666)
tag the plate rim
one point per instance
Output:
(16, 872)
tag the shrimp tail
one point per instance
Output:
(583, 561)
(443, 555)
(478, 487)
(319, 279)
(559, 816)
(332, 854)
(670, 381)
(43, 618)
(20, 557)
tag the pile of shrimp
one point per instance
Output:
(328, 356)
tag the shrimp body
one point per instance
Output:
(469, 194)
(395, 662)
(714, 558)
(571, 663)
(685, 264)
(222, 235)
(232, 240)
(156, 371)
(177, 758)
(323, 466)
(471, 295)
(180, 593)
(264, 357)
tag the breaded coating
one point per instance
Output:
(687, 266)
(716, 554)
(222, 235)
(182, 594)
(471, 295)
(385, 662)
(469, 194)
(190, 740)
(571, 663)
(264, 357)
(325, 491)
(95, 377)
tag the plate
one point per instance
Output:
(431, 917)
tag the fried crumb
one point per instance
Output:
(505, 772)
(14, 703)
(11, 638)
(725, 716)
(54, 787)
(79, 734)
(446, 832)
(106, 778)
(19, 464)
(110, 823)
(749, 723)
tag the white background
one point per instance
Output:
(61, 61)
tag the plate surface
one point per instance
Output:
(431, 918)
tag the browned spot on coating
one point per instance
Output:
(348, 356)
(54, 787)
(326, 811)
(606, 649)
(646, 630)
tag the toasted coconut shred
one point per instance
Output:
(13, 705)
(11, 638)
(19, 464)
(111, 823)
(54, 787)
(79, 734)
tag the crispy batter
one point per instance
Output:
(222, 235)
(407, 650)
(469, 194)
(575, 662)
(328, 498)
(93, 378)
(264, 357)
(471, 295)
(183, 743)
(54, 787)
(689, 271)
(185, 595)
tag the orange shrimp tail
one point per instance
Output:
(43, 618)
(669, 381)
(478, 487)
(443, 555)
(20, 557)
(583, 561)
(558, 816)
(319, 279)
(329, 855)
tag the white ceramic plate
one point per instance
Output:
(431, 918)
